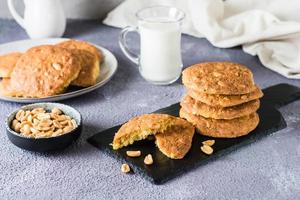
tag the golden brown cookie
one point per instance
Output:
(222, 128)
(44, 71)
(219, 78)
(139, 128)
(225, 100)
(90, 58)
(89, 69)
(176, 141)
(76, 44)
(7, 63)
(216, 112)
(5, 88)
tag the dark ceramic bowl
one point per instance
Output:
(45, 144)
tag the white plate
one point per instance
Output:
(108, 69)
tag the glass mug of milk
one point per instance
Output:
(159, 28)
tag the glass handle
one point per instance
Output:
(123, 45)
(15, 14)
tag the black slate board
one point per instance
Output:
(164, 168)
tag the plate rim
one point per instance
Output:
(67, 95)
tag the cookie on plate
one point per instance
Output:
(216, 112)
(222, 128)
(90, 69)
(139, 128)
(44, 71)
(176, 141)
(90, 58)
(225, 100)
(76, 44)
(7, 63)
(219, 78)
(6, 90)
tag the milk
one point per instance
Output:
(159, 28)
(160, 58)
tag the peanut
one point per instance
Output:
(34, 131)
(14, 123)
(43, 116)
(20, 114)
(56, 111)
(207, 149)
(57, 124)
(67, 129)
(133, 153)
(26, 129)
(244, 97)
(38, 110)
(125, 168)
(208, 142)
(74, 123)
(58, 132)
(148, 160)
(56, 66)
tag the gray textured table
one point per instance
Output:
(267, 169)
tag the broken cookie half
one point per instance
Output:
(173, 135)
(176, 141)
(139, 128)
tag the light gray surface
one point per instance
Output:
(75, 9)
(267, 169)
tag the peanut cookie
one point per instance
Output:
(44, 71)
(7, 64)
(216, 112)
(225, 100)
(219, 78)
(6, 89)
(89, 69)
(90, 58)
(176, 141)
(76, 44)
(222, 128)
(139, 128)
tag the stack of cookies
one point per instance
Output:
(222, 99)
(47, 70)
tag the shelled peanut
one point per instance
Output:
(38, 123)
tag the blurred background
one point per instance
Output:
(82, 9)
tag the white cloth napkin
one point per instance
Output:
(269, 29)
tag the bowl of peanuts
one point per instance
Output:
(43, 127)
